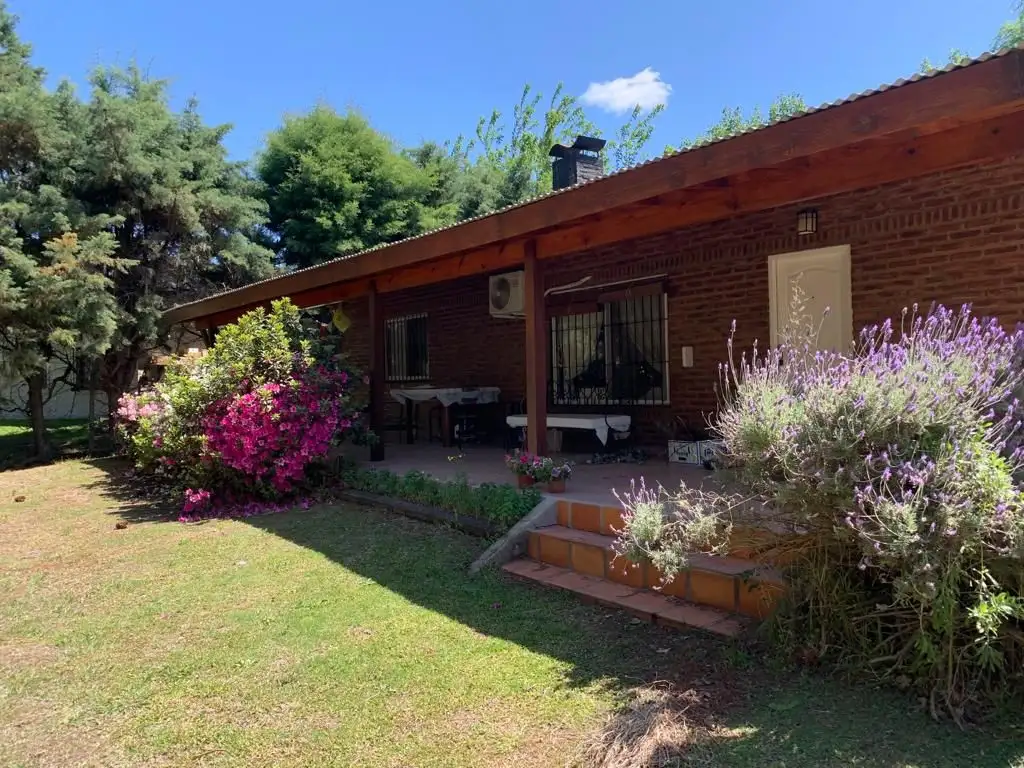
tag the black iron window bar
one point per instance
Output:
(617, 355)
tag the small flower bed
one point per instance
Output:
(499, 503)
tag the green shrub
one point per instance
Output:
(501, 504)
(246, 422)
(896, 470)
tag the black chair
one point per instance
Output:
(466, 420)
(408, 423)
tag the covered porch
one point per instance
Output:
(590, 483)
(625, 286)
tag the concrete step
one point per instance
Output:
(726, 583)
(642, 603)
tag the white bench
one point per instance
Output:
(597, 422)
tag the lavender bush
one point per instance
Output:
(897, 470)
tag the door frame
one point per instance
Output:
(845, 288)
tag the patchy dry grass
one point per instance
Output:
(653, 729)
(346, 637)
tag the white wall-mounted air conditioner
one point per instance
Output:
(505, 295)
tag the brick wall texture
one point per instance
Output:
(955, 237)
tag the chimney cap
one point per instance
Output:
(584, 143)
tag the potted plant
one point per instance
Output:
(523, 466)
(559, 472)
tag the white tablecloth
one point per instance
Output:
(597, 422)
(447, 395)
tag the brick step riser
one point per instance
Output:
(641, 603)
(744, 542)
(726, 592)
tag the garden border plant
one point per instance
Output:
(239, 430)
(897, 469)
(498, 503)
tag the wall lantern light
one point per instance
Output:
(807, 222)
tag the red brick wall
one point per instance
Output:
(953, 237)
(467, 347)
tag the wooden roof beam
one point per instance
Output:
(981, 91)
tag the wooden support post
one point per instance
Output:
(377, 366)
(536, 352)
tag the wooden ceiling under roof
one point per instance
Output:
(961, 117)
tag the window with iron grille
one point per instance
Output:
(406, 349)
(615, 355)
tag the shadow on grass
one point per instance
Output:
(69, 438)
(750, 714)
(745, 712)
(135, 499)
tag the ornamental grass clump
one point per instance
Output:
(896, 470)
(237, 430)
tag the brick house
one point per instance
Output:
(630, 282)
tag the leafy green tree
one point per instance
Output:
(735, 121)
(1012, 32)
(956, 56)
(1010, 35)
(335, 185)
(190, 220)
(55, 305)
(56, 302)
(632, 136)
(442, 169)
(506, 162)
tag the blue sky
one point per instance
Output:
(424, 70)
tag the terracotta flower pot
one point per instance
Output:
(556, 486)
(524, 481)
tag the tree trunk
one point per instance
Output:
(93, 371)
(36, 384)
(113, 395)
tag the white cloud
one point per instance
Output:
(645, 88)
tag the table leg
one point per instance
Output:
(446, 427)
(410, 432)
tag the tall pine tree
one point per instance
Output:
(189, 219)
(56, 301)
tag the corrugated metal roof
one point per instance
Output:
(566, 190)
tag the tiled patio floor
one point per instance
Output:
(592, 483)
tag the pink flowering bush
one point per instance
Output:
(239, 429)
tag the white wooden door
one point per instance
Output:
(818, 280)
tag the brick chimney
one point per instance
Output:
(578, 163)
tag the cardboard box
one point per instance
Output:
(684, 451)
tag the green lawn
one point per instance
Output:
(343, 636)
(16, 438)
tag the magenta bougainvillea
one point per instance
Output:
(238, 430)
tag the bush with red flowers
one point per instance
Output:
(237, 430)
